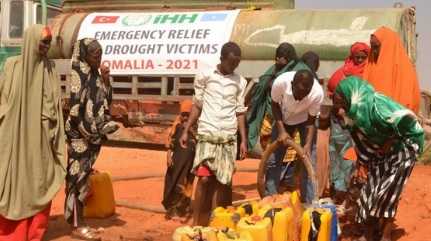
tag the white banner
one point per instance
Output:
(159, 43)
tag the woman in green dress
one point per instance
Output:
(388, 138)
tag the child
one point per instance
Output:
(219, 105)
(179, 179)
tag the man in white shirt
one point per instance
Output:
(296, 100)
(219, 104)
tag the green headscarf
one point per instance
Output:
(32, 144)
(379, 117)
(261, 101)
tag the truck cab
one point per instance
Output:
(15, 17)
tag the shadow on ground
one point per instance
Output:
(58, 227)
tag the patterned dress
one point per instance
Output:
(341, 169)
(374, 119)
(86, 127)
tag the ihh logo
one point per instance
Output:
(136, 20)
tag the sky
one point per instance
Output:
(422, 17)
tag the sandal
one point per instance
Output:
(85, 233)
(110, 128)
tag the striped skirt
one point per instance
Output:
(218, 154)
(386, 178)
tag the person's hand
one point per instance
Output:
(360, 174)
(183, 139)
(90, 188)
(307, 150)
(387, 146)
(283, 137)
(243, 150)
(104, 72)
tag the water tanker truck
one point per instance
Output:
(154, 48)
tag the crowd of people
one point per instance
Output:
(34, 160)
(373, 133)
(373, 140)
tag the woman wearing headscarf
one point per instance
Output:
(388, 138)
(353, 65)
(88, 124)
(259, 118)
(179, 179)
(340, 143)
(390, 71)
(32, 143)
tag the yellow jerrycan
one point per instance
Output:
(101, 203)
(187, 233)
(231, 235)
(259, 228)
(248, 209)
(224, 218)
(180, 231)
(282, 223)
(264, 209)
(323, 233)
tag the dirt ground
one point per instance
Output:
(413, 219)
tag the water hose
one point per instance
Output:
(299, 153)
(162, 174)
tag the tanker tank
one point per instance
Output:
(329, 33)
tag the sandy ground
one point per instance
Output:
(413, 219)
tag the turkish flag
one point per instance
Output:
(105, 19)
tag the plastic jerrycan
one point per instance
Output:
(231, 235)
(324, 216)
(180, 231)
(282, 223)
(101, 203)
(259, 228)
(187, 233)
(334, 221)
(264, 209)
(248, 209)
(224, 218)
(210, 236)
